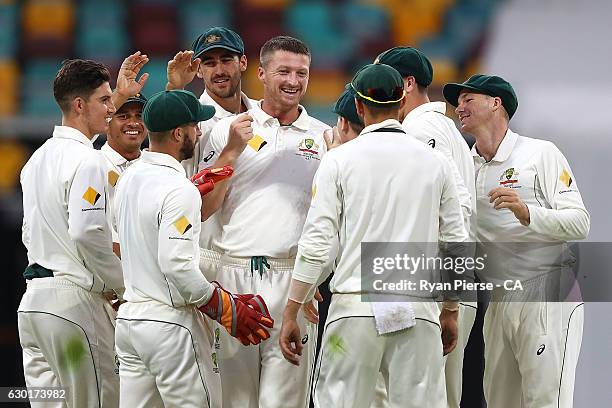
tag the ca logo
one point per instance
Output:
(541, 349)
(305, 339)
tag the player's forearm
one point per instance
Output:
(182, 272)
(95, 248)
(212, 201)
(561, 225)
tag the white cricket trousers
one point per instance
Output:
(166, 358)
(453, 362)
(259, 376)
(353, 354)
(67, 337)
(531, 353)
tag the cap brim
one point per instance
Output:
(451, 92)
(206, 112)
(226, 47)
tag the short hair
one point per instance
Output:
(282, 43)
(78, 78)
(356, 127)
(386, 110)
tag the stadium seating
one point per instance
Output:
(8, 29)
(197, 16)
(47, 27)
(9, 83)
(37, 88)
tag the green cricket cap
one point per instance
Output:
(167, 110)
(408, 61)
(485, 84)
(378, 85)
(345, 105)
(217, 37)
(138, 98)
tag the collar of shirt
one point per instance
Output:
(162, 159)
(439, 107)
(261, 117)
(388, 123)
(220, 113)
(114, 156)
(504, 150)
(67, 132)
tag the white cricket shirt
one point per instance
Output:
(115, 165)
(204, 156)
(157, 213)
(429, 123)
(65, 226)
(269, 194)
(541, 175)
(383, 186)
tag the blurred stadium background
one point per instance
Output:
(554, 52)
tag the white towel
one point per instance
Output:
(393, 316)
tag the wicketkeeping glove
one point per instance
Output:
(205, 179)
(257, 303)
(240, 319)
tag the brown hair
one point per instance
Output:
(78, 78)
(282, 43)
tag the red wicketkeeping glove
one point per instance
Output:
(205, 179)
(240, 319)
(257, 303)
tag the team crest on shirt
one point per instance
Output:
(509, 178)
(308, 149)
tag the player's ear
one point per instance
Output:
(261, 74)
(177, 135)
(497, 103)
(78, 104)
(243, 63)
(360, 109)
(343, 125)
(409, 84)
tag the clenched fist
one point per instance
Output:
(240, 132)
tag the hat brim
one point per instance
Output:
(134, 100)
(451, 92)
(205, 112)
(225, 47)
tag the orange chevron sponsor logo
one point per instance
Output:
(182, 225)
(91, 195)
(113, 176)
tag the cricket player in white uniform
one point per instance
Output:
(126, 132)
(217, 57)
(349, 201)
(64, 325)
(275, 149)
(428, 122)
(526, 193)
(166, 358)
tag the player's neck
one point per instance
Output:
(126, 154)
(413, 101)
(488, 138)
(165, 148)
(78, 125)
(285, 116)
(232, 104)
